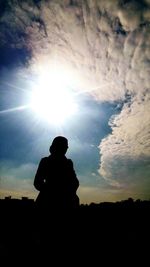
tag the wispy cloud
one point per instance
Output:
(17, 181)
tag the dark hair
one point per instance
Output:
(59, 145)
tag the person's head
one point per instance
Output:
(59, 146)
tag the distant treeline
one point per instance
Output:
(130, 202)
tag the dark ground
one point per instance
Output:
(95, 235)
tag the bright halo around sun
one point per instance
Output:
(53, 98)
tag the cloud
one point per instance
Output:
(17, 180)
(127, 148)
(88, 194)
(108, 44)
(97, 194)
(106, 41)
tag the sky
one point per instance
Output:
(79, 69)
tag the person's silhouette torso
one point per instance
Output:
(56, 178)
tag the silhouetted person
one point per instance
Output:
(57, 200)
(56, 179)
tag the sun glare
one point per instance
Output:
(53, 98)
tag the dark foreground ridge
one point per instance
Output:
(103, 232)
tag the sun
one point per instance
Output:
(53, 97)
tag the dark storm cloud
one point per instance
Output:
(108, 44)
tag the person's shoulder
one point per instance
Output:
(43, 160)
(70, 162)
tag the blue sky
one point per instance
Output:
(24, 138)
(100, 52)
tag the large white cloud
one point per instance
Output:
(106, 42)
(129, 141)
